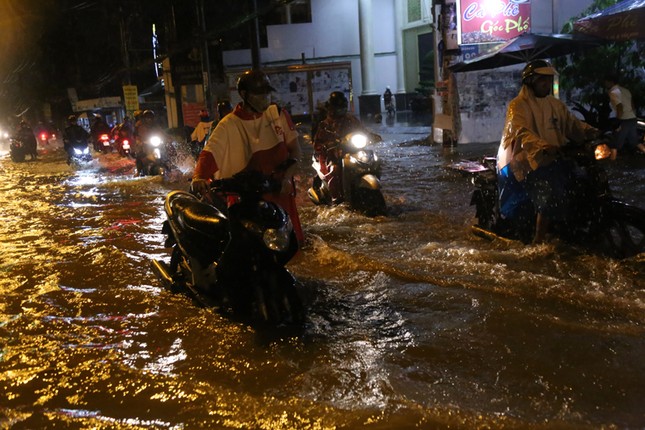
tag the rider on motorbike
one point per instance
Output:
(330, 131)
(256, 136)
(26, 134)
(529, 160)
(73, 136)
(98, 128)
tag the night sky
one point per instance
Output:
(51, 45)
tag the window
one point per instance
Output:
(294, 12)
(414, 10)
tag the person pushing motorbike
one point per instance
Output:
(529, 159)
(337, 124)
(256, 136)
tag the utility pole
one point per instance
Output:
(254, 30)
(206, 64)
(124, 46)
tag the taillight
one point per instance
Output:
(43, 136)
(126, 144)
(104, 137)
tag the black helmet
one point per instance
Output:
(224, 107)
(71, 119)
(337, 100)
(537, 67)
(254, 81)
(203, 114)
(148, 113)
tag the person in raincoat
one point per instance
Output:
(529, 167)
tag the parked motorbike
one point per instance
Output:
(233, 258)
(152, 159)
(361, 173)
(17, 149)
(601, 224)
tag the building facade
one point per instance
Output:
(363, 46)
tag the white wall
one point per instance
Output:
(333, 35)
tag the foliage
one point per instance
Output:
(426, 75)
(581, 74)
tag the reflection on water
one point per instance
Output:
(412, 321)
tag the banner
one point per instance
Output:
(485, 21)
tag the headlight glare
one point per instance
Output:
(358, 140)
(155, 141)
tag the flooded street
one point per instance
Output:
(412, 321)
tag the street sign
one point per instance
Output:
(131, 98)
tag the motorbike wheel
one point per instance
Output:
(180, 271)
(623, 235)
(18, 157)
(277, 300)
(370, 202)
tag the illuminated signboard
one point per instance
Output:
(485, 21)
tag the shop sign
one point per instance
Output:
(486, 21)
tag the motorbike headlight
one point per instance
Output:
(360, 157)
(155, 141)
(277, 239)
(157, 153)
(86, 150)
(602, 151)
(358, 140)
(77, 151)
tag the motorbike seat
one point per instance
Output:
(195, 215)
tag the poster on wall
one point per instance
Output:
(451, 40)
(486, 21)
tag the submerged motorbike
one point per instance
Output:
(78, 152)
(152, 159)
(361, 173)
(600, 224)
(233, 258)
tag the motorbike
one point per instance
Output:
(43, 138)
(152, 159)
(78, 152)
(123, 145)
(104, 143)
(361, 173)
(600, 224)
(17, 149)
(232, 258)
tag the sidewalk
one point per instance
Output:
(404, 126)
